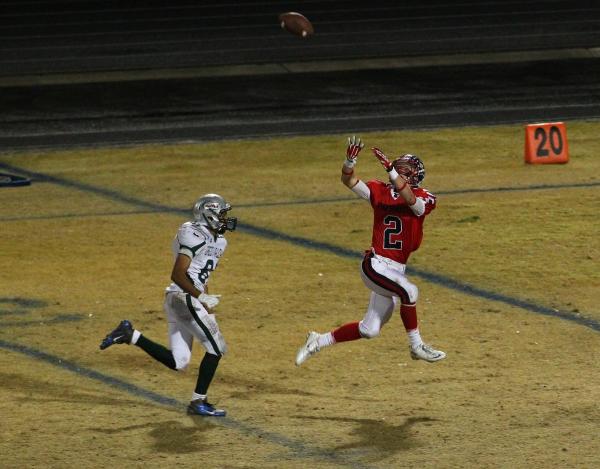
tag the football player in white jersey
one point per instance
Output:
(197, 248)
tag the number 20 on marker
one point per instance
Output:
(546, 143)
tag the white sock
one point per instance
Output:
(325, 340)
(136, 335)
(196, 396)
(415, 338)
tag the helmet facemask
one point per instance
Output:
(226, 223)
(411, 167)
(211, 210)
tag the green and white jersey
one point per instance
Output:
(199, 244)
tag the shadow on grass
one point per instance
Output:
(378, 438)
(170, 436)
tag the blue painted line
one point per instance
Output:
(441, 280)
(24, 302)
(488, 295)
(437, 279)
(534, 187)
(297, 240)
(89, 373)
(90, 215)
(154, 207)
(185, 211)
(19, 306)
(111, 194)
(13, 312)
(42, 322)
(300, 449)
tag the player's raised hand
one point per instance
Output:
(355, 145)
(384, 160)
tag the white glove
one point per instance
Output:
(355, 145)
(209, 301)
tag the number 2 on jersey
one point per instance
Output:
(393, 227)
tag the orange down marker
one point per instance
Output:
(546, 143)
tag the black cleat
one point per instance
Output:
(121, 335)
(202, 407)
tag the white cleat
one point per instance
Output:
(310, 347)
(427, 353)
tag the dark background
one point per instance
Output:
(120, 72)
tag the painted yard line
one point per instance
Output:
(38, 322)
(523, 304)
(300, 449)
(441, 280)
(95, 214)
(536, 187)
(185, 211)
(41, 177)
(437, 279)
(157, 208)
(111, 194)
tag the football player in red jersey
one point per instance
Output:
(399, 210)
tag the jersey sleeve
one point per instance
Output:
(428, 198)
(190, 241)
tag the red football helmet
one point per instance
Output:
(411, 167)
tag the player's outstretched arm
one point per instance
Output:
(399, 181)
(355, 145)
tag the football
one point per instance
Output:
(296, 23)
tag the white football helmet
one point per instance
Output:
(211, 210)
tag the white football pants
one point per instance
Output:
(389, 286)
(187, 319)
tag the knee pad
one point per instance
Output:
(368, 331)
(182, 360)
(413, 292)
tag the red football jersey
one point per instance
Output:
(397, 231)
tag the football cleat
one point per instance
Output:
(310, 347)
(121, 335)
(427, 353)
(202, 407)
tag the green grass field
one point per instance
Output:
(510, 248)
